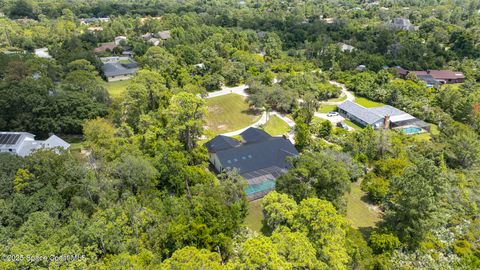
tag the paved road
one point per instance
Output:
(239, 90)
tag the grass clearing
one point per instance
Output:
(255, 216)
(360, 212)
(116, 89)
(352, 124)
(327, 108)
(228, 113)
(425, 136)
(367, 103)
(276, 126)
(434, 129)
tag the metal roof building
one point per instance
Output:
(24, 143)
(376, 117)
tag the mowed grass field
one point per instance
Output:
(255, 216)
(367, 103)
(116, 89)
(360, 212)
(229, 113)
(327, 108)
(276, 126)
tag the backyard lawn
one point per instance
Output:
(352, 124)
(255, 216)
(327, 108)
(276, 126)
(228, 113)
(367, 103)
(116, 89)
(360, 212)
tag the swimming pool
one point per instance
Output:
(411, 130)
(262, 187)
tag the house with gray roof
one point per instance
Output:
(258, 157)
(118, 68)
(379, 117)
(164, 35)
(24, 143)
(402, 24)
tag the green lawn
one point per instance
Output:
(434, 129)
(367, 103)
(425, 136)
(360, 212)
(352, 124)
(276, 126)
(228, 113)
(255, 216)
(327, 108)
(116, 89)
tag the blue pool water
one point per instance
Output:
(266, 185)
(412, 130)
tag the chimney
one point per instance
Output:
(386, 122)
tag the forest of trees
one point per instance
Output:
(140, 194)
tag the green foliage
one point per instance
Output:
(323, 129)
(315, 218)
(383, 242)
(192, 258)
(316, 174)
(416, 198)
(376, 187)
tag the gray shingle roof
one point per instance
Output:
(382, 111)
(252, 135)
(360, 112)
(251, 157)
(373, 115)
(116, 69)
(221, 142)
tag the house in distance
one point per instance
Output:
(434, 77)
(258, 157)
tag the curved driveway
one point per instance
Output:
(240, 90)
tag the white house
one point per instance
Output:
(345, 47)
(119, 39)
(24, 143)
(42, 53)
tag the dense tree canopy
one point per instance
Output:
(135, 190)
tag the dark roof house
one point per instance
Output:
(259, 158)
(118, 68)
